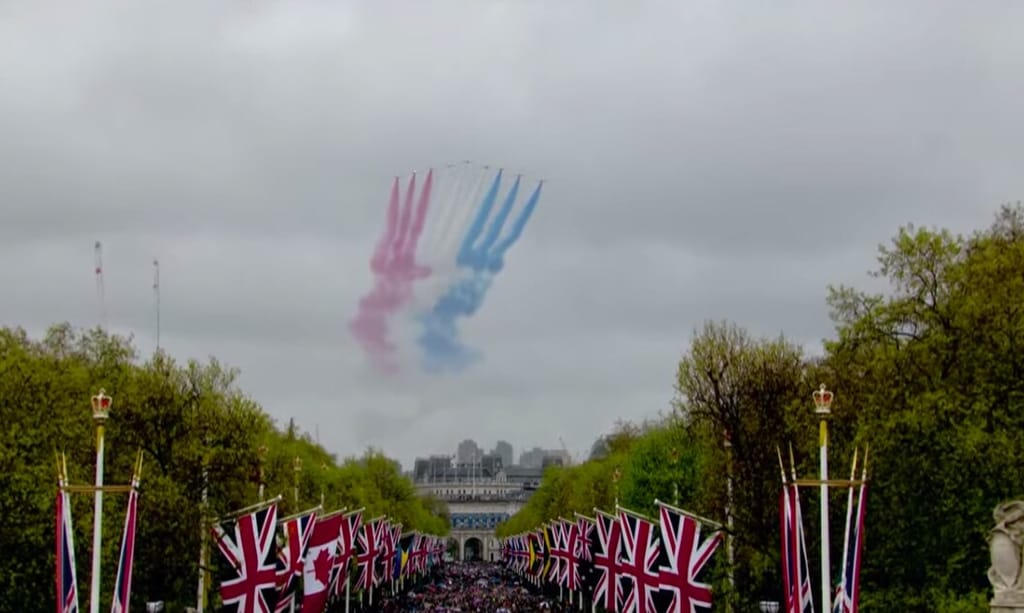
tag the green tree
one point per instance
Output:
(933, 370)
(747, 392)
(189, 420)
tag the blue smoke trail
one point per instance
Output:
(440, 339)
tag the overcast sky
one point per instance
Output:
(704, 159)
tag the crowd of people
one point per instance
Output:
(472, 587)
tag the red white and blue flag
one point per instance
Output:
(570, 575)
(640, 560)
(607, 590)
(293, 535)
(795, 570)
(847, 598)
(367, 548)
(584, 538)
(67, 588)
(123, 584)
(249, 581)
(386, 541)
(346, 550)
(556, 553)
(686, 556)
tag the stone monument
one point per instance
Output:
(1006, 545)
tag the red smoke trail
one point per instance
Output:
(395, 270)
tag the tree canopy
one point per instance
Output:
(928, 374)
(187, 419)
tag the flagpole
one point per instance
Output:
(203, 542)
(823, 406)
(297, 467)
(729, 552)
(261, 456)
(100, 411)
(849, 518)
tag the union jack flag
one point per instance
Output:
(294, 536)
(367, 548)
(640, 561)
(570, 575)
(848, 594)
(346, 550)
(523, 553)
(249, 583)
(387, 541)
(559, 563)
(584, 538)
(123, 584)
(585, 553)
(795, 570)
(607, 591)
(420, 553)
(67, 588)
(686, 556)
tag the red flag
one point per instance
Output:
(67, 588)
(123, 586)
(319, 563)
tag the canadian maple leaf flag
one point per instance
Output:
(316, 570)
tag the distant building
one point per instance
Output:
(481, 490)
(426, 470)
(506, 451)
(540, 458)
(469, 452)
(551, 460)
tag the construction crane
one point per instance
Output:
(100, 290)
(568, 456)
(156, 298)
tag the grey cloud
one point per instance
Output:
(704, 160)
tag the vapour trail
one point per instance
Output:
(467, 205)
(467, 186)
(395, 269)
(443, 202)
(443, 351)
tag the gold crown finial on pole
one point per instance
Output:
(101, 406)
(823, 400)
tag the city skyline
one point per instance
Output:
(528, 451)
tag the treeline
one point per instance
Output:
(930, 374)
(188, 419)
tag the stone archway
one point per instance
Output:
(452, 548)
(473, 550)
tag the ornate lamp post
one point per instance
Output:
(323, 478)
(729, 551)
(100, 412)
(823, 407)
(261, 454)
(297, 467)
